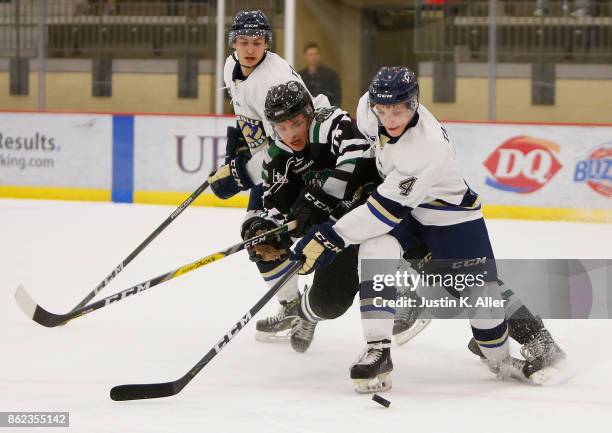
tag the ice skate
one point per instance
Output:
(372, 371)
(509, 368)
(302, 333)
(546, 360)
(407, 324)
(277, 328)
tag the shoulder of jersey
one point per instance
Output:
(324, 117)
(321, 114)
(426, 148)
(229, 62)
(431, 127)
(367, 123)
(274, 69)
(275, 151)
(228, 70)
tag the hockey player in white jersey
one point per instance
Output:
(250, 70)
(537, 344)
(423, 197)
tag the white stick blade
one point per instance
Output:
(25, 301)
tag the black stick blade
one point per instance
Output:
(35, 311)
(141, 392)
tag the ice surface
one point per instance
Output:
(61, 250)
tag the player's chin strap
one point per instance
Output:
(245, 66)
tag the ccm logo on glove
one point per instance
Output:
(326, 243)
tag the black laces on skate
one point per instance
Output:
(372, 353)
(372, 356)
(304, 329)
(283, 312)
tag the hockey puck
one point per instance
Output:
(381, 401)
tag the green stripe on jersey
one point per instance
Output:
(315, 132)
(274, 151)
(349, 161)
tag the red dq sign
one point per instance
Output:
(522, 164)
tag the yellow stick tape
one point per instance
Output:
(176, 198)
(195, 265)
(53, 193)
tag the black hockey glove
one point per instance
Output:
(419, 257)
(231, 178)
(236, 144)
(273, 249)
(314, 206)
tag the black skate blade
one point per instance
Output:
(141, 392)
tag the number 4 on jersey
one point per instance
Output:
(406, 185)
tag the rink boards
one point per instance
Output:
(522, 171)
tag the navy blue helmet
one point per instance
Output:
(394, 85)
(287, 100)
(250, 23)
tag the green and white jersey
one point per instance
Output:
(334, 160)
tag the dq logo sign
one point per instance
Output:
(522, 164)
(596, 170)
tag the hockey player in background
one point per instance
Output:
(423, 198)
(249, 71)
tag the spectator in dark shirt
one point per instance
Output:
(319, 78)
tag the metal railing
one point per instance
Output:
(119, 28)
(553, 31)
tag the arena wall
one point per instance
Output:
(149, 86)
(577, 100)
(582, 94)
(521, 170)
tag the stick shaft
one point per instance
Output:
(48, 319)
(142, 246)
(168, 389)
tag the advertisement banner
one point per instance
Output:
(177, 153)
(533, 171)
(56, 150)
(536, 165)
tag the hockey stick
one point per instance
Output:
(142, 246)
(168, 389)
(50, 320)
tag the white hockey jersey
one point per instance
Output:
(421, 177)
(248, 99)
